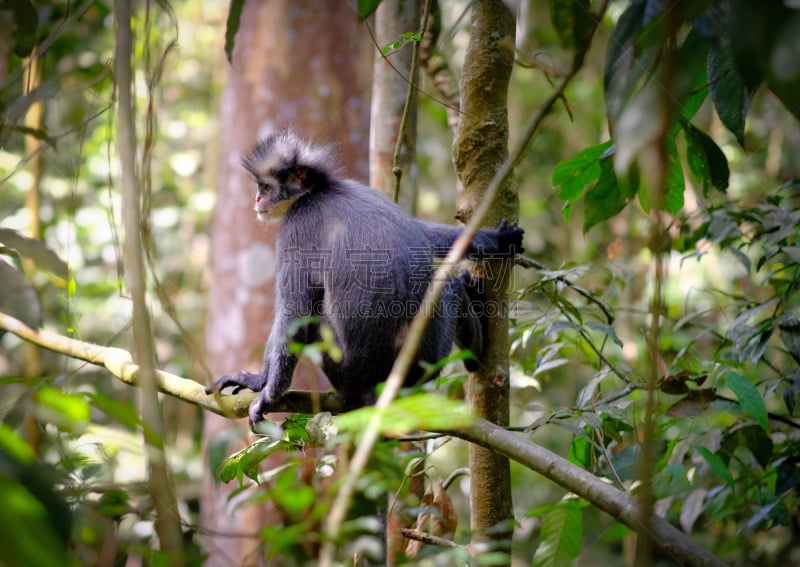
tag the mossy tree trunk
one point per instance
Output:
(480, 147)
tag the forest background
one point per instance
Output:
(664, 264)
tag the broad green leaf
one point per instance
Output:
(18, 298)
(605, 199)
(718, 466)
(561, 535)
(693, 102)
(574, 174)
(366, 7)
(217, 451)
(624, 66)
(30, 534)
(689, 82)
(750, 400)
(717, 162)
(232, 27)
(419, 411)
(291, 495)
(580, 452)
(675, 184)
(124, 412)
(42, 255)
(70, 412)
(729, 92)
(246, 462)
(23, 19)
(759, 443)
(15, 446)
(605, 328)
(708, 164)
(572, 20)
(783, 78)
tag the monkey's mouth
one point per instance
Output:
(263, 211)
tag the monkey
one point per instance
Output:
(351, 259)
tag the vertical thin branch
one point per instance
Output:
(167, 519)
(33, 146)
(411, 101)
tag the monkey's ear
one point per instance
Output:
(300, 175)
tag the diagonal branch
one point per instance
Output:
(594, 490)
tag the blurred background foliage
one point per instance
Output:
(727, 433)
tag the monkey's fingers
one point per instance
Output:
(238, 381)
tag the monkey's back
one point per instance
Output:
(371, 265)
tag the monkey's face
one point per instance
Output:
(276, 195)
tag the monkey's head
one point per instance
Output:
(285, 169)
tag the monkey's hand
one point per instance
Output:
(509, 239)
(238, 381)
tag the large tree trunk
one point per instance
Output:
(390, 90)
(303, 64)
(481, 145)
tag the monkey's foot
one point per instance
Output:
(238, 381)
(258, 408)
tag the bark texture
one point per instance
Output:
(390, 89)
(301, 64)
(480, 148)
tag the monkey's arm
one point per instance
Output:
(505, 240)
(293, 300)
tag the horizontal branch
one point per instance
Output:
(119, 363)
(619, 505)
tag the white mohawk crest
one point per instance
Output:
(285, 150)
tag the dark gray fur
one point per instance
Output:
(344, 254)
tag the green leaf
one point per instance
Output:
(23, 21)
(291, 495)
(718, 466)
(606, 198)
(783, 78)
(624, 66)
(572, 20)
(366, 7)
(719, 173)
(675, 183)
(580, 452)
(15, 446)
(30, 534)
(42, 255)
(232, 27)
(246, 462)
(561, 535)
(419, 411)
(750, 400)
(729, 92)
(70, 412)
(574, 174)
(18, 298)
(690, 82)
(607, 329)
(124, 412)
(759, 443)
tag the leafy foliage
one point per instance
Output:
(726, 462)
(709, 59)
